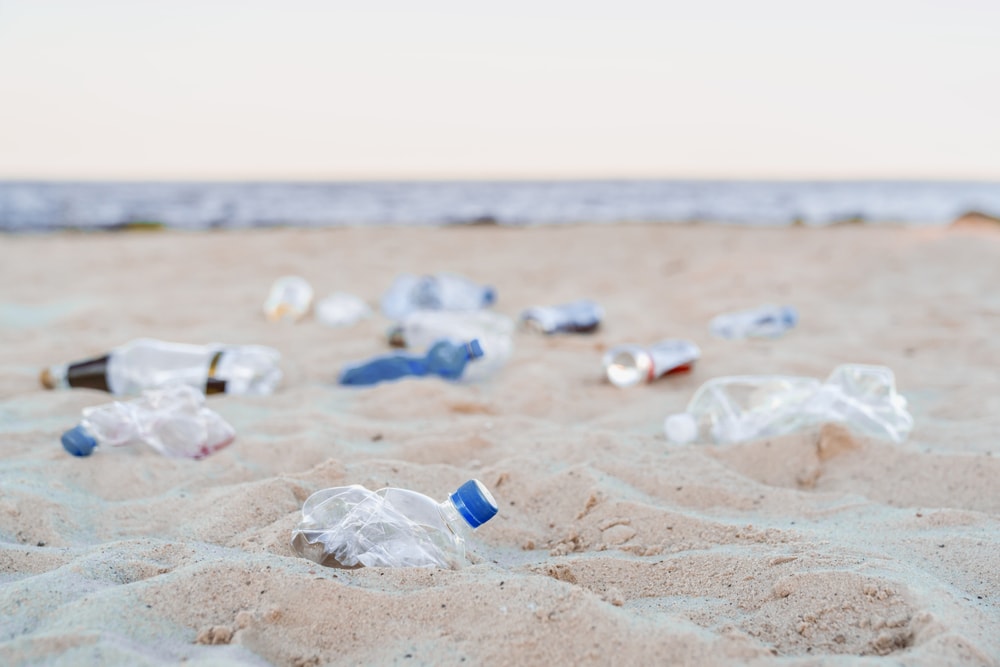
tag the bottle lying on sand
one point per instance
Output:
(351, 527)
(764, 322)
(628, 365)
(495, 332)
(444, 359)
(146, 363)
(581, 316)
(441, 291)
(173, 420)
(290, 299)
(734, 409)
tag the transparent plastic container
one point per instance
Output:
(146, 364)
(341, 310)
(734, 409)
(763, 322)
(581, 316)
(444, 359)
(420, 330)
(173, 420)
(351, 527)
(629, 365)
(440, 291)
(290, 299)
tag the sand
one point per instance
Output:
(611, 545)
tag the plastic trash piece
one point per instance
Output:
(581, 316)
(290, 299)
(445, 359)
(734, 409)
(146, 364)
(440, 291)
(495, 333)
(351, 527)
(173, 420)
(764, 322)
(341, 310)
(629, 365)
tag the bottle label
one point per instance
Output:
(214, 385)
(672, 356)
(90, 374)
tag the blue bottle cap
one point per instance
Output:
(475, 349)
(78, 442)
(790, 316)
(489, 296)
(474, 502)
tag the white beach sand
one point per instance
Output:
(611, 546)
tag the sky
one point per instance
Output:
(389, 89)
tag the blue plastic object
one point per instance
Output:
(78, 442)
(474, 503)
(444, 359)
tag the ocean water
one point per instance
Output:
(44, 206)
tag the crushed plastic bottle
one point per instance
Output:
(441, 291)
(341, 310)
(290, 299)
(734, 409)
(351, 527)
(581, 316)
(421, 329)
(146, 364)
(444, 359)
(629, 365)
(173, 420)
(764, 322)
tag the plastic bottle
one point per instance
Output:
(735, 409)
(351, 527)
(441, 291)
(445, 359)
(764, 322)
(341, 310)
(173, 420)
(629, 365)
(146, 363)
(421, 329)
(581, 316)
(289, 299)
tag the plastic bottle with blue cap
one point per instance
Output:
(445, 359)
(767, 321)
(440, 291)
(173, 420)
(351, 526)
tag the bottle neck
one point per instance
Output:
(453, 517)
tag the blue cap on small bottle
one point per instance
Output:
(474, 502)
(790, 316)
(489, 296)
(78, 442)
(474, 348)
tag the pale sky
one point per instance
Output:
(299, 89)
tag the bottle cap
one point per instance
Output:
(47, 379)
(489, 296)
(78, 442)
(790, 316)
(474, 502)
(681, 428)
(475, 349)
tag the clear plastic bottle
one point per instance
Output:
(290, 299)
(421, 329)
(146, 363)
(351, 527)
(581, 316)
(629, 365)
(444, 359)
(173, 420)
(441, 291)
(734, 409)
(763, 322)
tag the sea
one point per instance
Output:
(34, 206)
